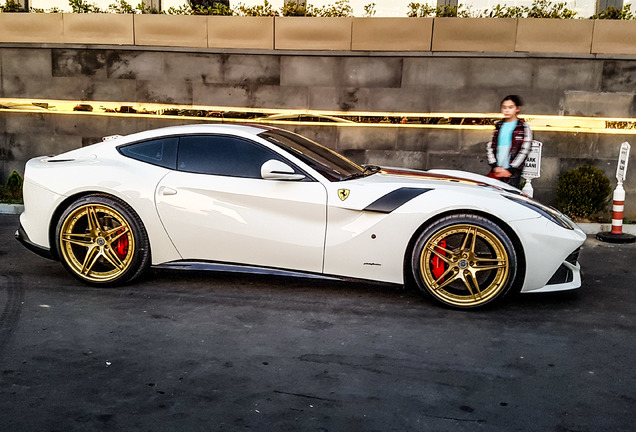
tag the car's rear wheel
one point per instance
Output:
(102, 241)
(464, 261)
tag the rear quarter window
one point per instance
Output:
(160, 152)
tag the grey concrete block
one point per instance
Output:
(194, 67)
(568, 145)
(397, 158)
(550, 171)
(338, 99)
(318, 71)
(546, 195)
(111, 90)
(477, 165)
(439, 72)
(596, 104)
(397, 100)
(358, 156)
(220, 95)
(484, 100)
(608, 147)
(412, 139)
(277, 97)
(541, 101)
(75, 62)
(566, 74)
(26, 62)
(326, 135)
(156, 123)
(369, 72)
(22, 147)
(367, 138)
(79, 125)
(444, 160)
(165, 92)
(148, 65)
(47, 87)
(568, 164)
(618, 76)
(500, 73)
(442, 140)
(18, 123)
(473, 142)
(252, 69)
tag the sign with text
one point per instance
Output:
(623, 159)
(532, 166)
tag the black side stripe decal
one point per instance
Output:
(395, 199)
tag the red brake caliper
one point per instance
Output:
(121, 248)
(438, 265)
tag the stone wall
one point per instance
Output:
(417, 82)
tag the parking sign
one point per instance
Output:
(623, 159)
(532, 166)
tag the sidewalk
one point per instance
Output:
(588, 228)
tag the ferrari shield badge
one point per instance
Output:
(343, 194)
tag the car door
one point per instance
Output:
(217, 207)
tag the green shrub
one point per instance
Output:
(81, 6)
(426, 10)
(616, 14)
(266, 9)
(11, 6)
(12, 192)
(583, 192)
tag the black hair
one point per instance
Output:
(514, 99)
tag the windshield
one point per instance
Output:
(330, 164)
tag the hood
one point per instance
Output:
(455, 176)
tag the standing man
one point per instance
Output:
(510, 143)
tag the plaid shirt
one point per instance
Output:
(519, 148)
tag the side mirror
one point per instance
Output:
(277, 170)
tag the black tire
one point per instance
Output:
(101, 241)
(464, 261)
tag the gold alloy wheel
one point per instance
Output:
(464, 265)
(97, 243)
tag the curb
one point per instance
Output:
(588, 228)
(11, 208)
(594, 228)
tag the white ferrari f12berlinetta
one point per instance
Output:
(254, 197)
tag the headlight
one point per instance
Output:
(547, 212)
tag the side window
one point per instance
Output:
(222, 155)
(160, 152)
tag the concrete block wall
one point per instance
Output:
(329, 81)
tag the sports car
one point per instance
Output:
(253, 197)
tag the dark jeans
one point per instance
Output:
(514, 179)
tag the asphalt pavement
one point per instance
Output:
(195, 351)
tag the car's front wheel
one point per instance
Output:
(102, 241)
(464, 261)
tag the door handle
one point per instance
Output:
(168, 191)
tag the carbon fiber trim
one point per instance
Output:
(395, 199)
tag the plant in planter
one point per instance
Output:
(11, 6)
(616, 14)
(12, 193)
(263, 10)
(583, 192)
(426, 10)
(82, 6)
(210, 7)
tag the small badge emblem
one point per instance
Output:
(343, 194)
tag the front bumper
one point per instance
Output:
(567, 276)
